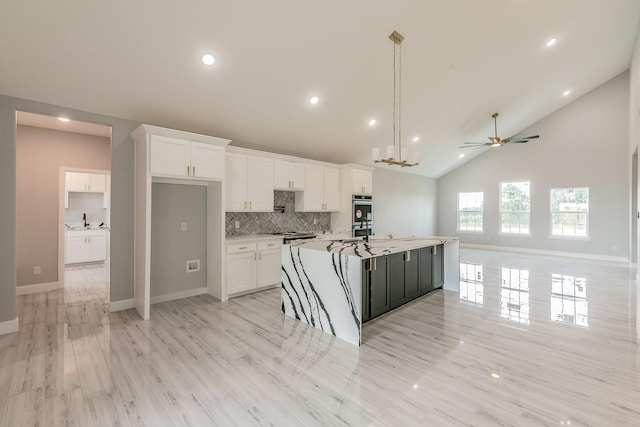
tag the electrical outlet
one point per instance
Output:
(183, 226)
(37, 269)
(315, 221)
(193, 265)
(237, 224)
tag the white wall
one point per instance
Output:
(583, 144)
(404, 203)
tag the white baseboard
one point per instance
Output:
(9, 326)
(38, 287)
(178, 295)
(124, 304)
(547, 253)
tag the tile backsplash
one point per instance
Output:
(273, 222)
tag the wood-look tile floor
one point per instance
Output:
(528, 341)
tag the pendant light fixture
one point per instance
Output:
(395, 154)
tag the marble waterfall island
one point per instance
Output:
(331, 286)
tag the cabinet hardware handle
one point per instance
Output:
(250, 206)
(375, 263)
(188, 171)
(259, 255)
(435, 250)
(245, 205)
(270, 244)
(244, 247)
(193, 171)
(407, 256)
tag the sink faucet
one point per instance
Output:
(366, 229)
(84, 219)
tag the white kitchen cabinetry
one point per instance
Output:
(253, 265)
(85, 182)
(159, 158)
(289, 175)
(85, 246)
(322, 190)
(173, 157)
(249, 181)
(361, 182)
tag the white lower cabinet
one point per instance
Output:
(85, 246)
(253, 265)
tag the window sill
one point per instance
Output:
(469, 232)
(514, 234)
(583, 238)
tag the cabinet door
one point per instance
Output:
(207, 161)
(438, 266)
(269, 267)
(426, 270)
(260, 184)
(78, 249)
(236, 183)
(362, 181)
(331, 181)
(378, 288)
(77, 181)
(297, 175)
(281, 175)
(97, 248)
(97, 183)
(313, 196)
(241, 272)
(397, 292)
(411, 274)
(170, 157)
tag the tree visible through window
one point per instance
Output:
(515, 207)
(570, 212)
(470, 211)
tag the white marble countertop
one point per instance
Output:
(375, 247)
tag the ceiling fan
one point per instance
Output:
(495, 140)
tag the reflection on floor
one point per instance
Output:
(529, 340)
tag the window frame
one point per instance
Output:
(500, 211)
(552, 212)
(458, 229)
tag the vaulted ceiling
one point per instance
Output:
(462, 60)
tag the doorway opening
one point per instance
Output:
(63, 203)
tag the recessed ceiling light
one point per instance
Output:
(416, 139)
(461, 156)
(64, 119)
(495, 376)
(551, 42)
(566, 93)
(208, 59)
(372, 122)
(314, 100)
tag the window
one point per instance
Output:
(515, 207)
(470, 211)
(570, 212)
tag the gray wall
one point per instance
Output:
(634, 139)
(122, 164)
(582, 144)
(171, 248)
(40, 154)
(404, 203)
(273, 222)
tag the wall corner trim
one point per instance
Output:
(38, 287)
(9, 326)
(594, 257)
(124, 304)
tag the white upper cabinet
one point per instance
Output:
(289, 175)
(173, 157)
(322, 190)
(85, 182)
(249, 183)
(362, 182)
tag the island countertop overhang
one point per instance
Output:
(373, 248)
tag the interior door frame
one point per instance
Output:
(61, 228)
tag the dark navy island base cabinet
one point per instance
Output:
(390, 281)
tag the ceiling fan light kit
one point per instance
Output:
(395, 154)
(495, 140)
